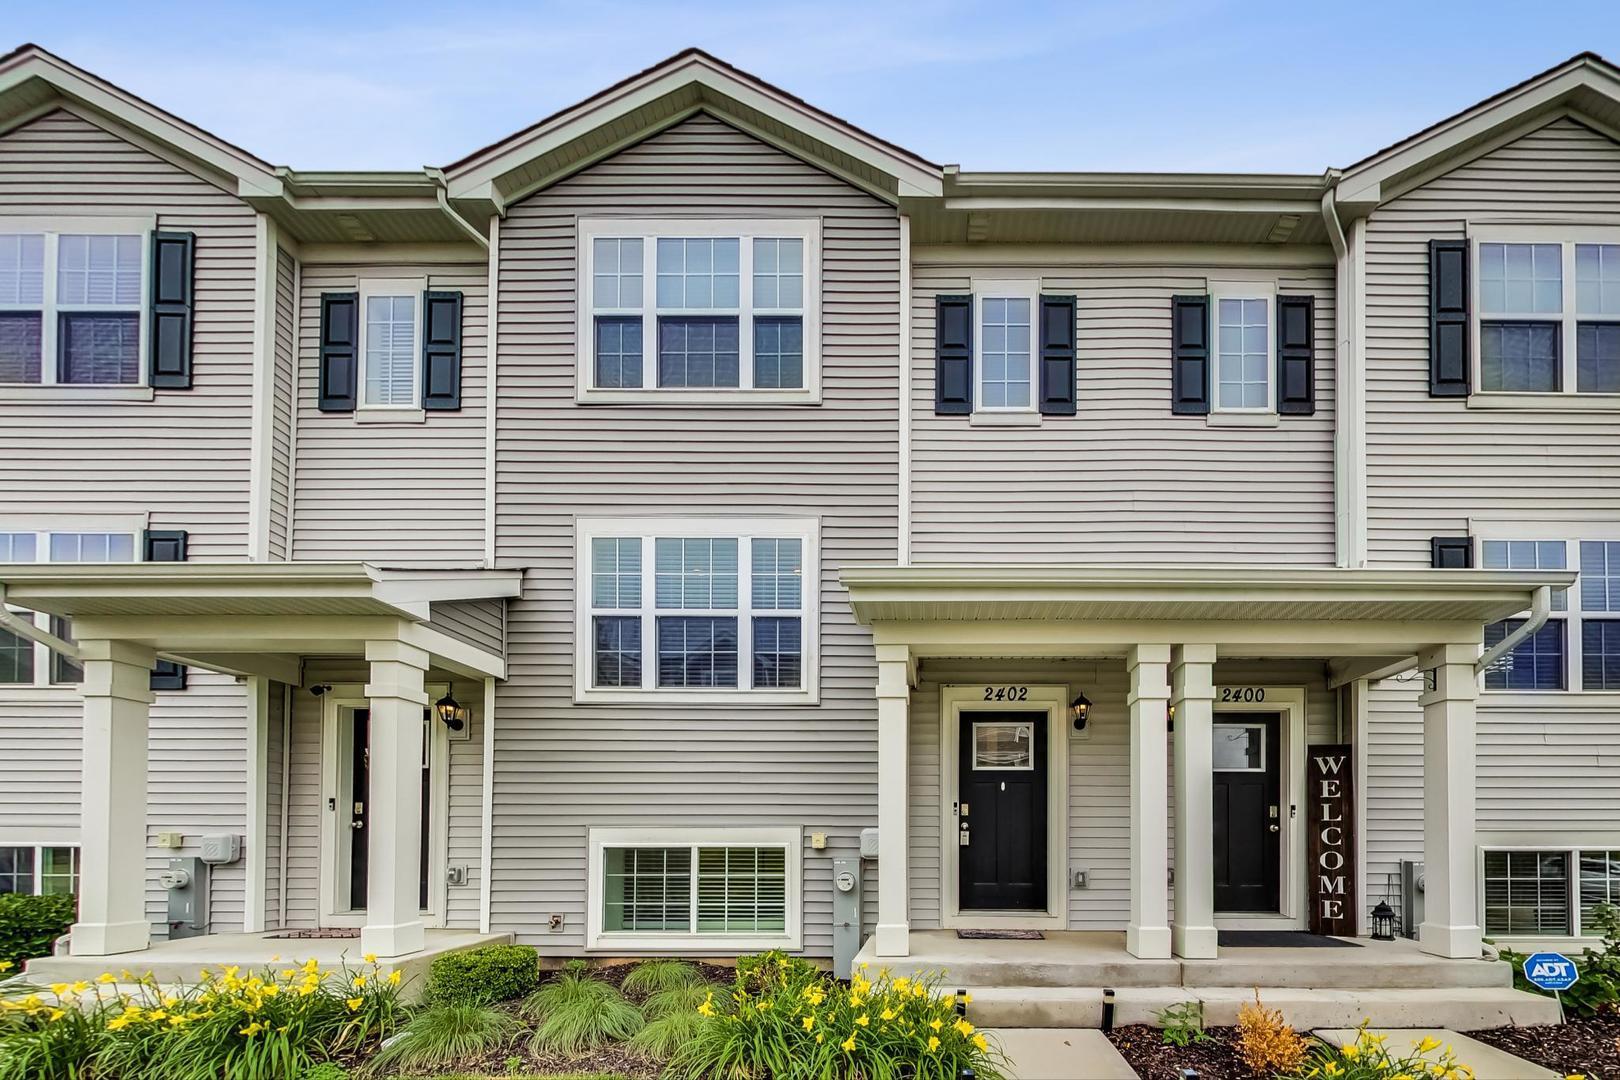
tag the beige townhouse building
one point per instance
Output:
(695, 525)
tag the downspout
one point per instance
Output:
(444, 204)
(1540, 608)
(25, 628)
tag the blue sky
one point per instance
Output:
(1181, 85)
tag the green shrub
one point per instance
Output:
(446, 1035)
(651, 976)
(482, 976)
(576, 1012)
(802, 1025)
(30, 925)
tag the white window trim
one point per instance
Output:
(1007, 289)
(788, 837)
(378, 286)
(39, 860)
(650, 230)
(1225, 416)
(43, 528)
(806, 530)
(49, 361)
(1571, 533)
(1566, 236)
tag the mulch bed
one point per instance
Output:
(1154, 1059)
(1590, 1047)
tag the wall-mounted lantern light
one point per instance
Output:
(1079, 711)
(452, 712)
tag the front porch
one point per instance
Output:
(1064, 980)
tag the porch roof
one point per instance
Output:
(1251, 611)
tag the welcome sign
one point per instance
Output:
(1331, 815)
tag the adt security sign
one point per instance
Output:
(1550, 971)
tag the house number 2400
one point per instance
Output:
(1006, 693)
(1243, 693)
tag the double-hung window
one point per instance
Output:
(39, 869)
(1241, 321)
(71, 302)
(724, 311)
(390, 344)
(1548, 304)
(696, 608)
(661, 888)
(1006, 329)
(1578, 648)
(23, 662)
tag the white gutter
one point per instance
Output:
(25, 628)
(444, 204)
(1540, 608)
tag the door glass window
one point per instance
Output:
(1003, 746)
(1240, 747)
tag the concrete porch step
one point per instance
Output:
(1343, 969)
(1464, 1009)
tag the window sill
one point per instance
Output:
(1243, 420)
(75, 393)
(1559, 402)
(736, 698)
(615, 943)
(390, 416)
(1005, 419)
(731, 398)
(1605, 701)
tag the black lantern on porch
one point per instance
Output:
(451, 712)
(1079, 711)
(1383, 922)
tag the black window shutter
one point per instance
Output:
(1449, 374)
(1451, 552)
(441, 350)
(1057, 356)
(1296, 355)
(169, 362)
(1189, 355)
(166, 545)
(339, 357)
(953, 355)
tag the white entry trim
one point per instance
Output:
(956, 701)
(347, 697)
(1289, 701)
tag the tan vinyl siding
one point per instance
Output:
(1099, 770)
(1434, 464)
(275, 758)
(1124, 481)
(183, 457)
(561, 768)
(281, 413)
(481, 623)
(395, 493)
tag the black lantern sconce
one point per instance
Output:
(1383, 922)
(1080, 711)
(454, 714)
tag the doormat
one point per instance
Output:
(1280, 939)
(332, 934)
(1001, 935)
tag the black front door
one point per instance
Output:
(1248, 821)
(1001, 812)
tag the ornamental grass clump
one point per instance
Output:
(652, 976)
(258, 1026)
(784, 1020)
(1368, 1058)
(446, 1035)
(576, 1013)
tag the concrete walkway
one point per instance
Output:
(1487, 1061)
(1060, 1054)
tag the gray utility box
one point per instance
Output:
(846, 915)
(1411, 897)
(186, 882)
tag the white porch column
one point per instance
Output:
(112, 836)
(394, 818)
(894, 898)
(1148, 933)
(1192, 694)
(1450, 899)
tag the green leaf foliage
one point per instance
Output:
(483, 975)
(446, 1035)
(576, 1012)
(651, 976)
(30, 925)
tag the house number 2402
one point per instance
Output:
(1243, 693)
(1006, 693)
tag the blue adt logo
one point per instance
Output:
(1550, 970)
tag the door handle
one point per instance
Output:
(357, 824)
(1275, 827)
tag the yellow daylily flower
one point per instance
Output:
(707, 1008)
(359, 981)
(933, 1043)
(252, 1029)
(981, 1042)
(59, 988)
(393, 977)
(820, 1035)
(809, 1022)
(1427, 1043)
(965, 999)
(57, 1014)
(761, 1006)
(370, 958)
(6, 965)
(887, 1014)
(355, 1003)
(104, 978)
(848, 1044)
(936, 1023)
(1350, 1050)
(964, 1027)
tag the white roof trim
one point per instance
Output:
(475, 176)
